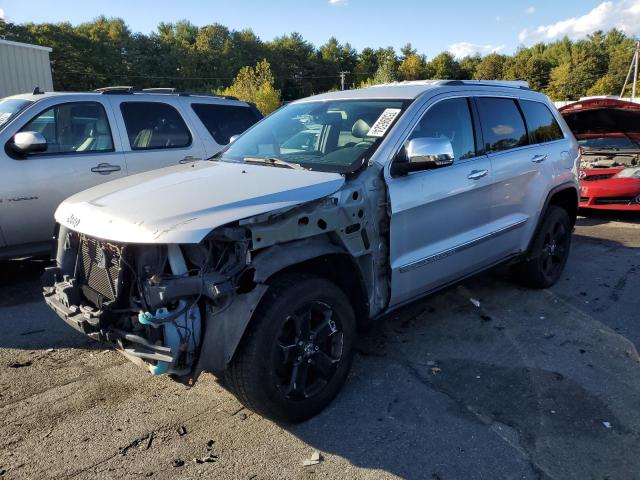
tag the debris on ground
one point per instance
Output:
(435, 370)
(475, 302)
(207, 459)
(137, 442)
(606, 424)
(149, 441)
(20, 364)
(182, 430)
(315, 459)
(210, 445)
(177, 463)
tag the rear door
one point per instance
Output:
(83, 151)
(440, 218)
(155, 134)
(522, 162)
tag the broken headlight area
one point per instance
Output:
(147, 300)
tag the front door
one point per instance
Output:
(440, 218)
(80, 154)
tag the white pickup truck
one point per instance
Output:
(57, 144)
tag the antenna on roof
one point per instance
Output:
(36, 91)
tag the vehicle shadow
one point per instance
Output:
(25, 320)
(589, 218)
(444, 389)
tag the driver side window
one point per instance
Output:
(75, 127)
(449, 119)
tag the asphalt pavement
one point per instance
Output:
(529, 384)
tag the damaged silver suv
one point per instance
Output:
(260, 264)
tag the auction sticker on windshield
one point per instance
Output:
(383, 122)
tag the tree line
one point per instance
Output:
(181, 55)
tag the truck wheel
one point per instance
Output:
(297, 351)
(549, 250)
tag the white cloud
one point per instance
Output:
(530, 10)
(338, 3)
(2, 16)
(622, 14)
(462, 49)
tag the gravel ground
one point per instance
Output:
(531, 384)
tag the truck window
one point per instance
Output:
(224, 121)
(502, 124)
(75, 127)
(154, 125)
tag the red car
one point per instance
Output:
(608, 132)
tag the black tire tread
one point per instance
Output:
(528, 271)
(240, 375)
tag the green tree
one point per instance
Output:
(444, 67)
(412, 68)
(366, 66)
(606, 85)
(490, 68)
(468, 66)
(256, 84)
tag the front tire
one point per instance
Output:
(297, 351)
(549, 250)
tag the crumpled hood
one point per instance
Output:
(183, 203)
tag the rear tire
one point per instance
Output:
(549, 250)
(297, 351)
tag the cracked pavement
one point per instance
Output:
(530, 384)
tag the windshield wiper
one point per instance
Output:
(274, 162)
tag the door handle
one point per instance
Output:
(477, 174)
(539, 158)
(105, 168)
(189, 159)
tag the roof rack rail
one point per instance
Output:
(490, 83)
(486, 83)
(160, 90)
(207, 94)
(117, 89)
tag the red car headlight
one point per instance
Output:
(633, 172)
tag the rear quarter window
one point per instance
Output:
(502, 124)
(225, 121)
(541, 123)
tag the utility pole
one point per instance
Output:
(632, 68)
(342, 75)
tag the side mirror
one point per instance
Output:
(233, 138)
(25, 143)
(423, 154)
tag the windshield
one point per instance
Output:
(609, 142)
(9, 108)
(331, 136)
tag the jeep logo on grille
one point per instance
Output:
(102, 258)
(73, 220)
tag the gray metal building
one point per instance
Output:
(24, 67)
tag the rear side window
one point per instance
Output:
(152, 125)
(541, 123)
(75, 127)
(502, 124)
(224, 121)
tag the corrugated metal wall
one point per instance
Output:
(23, 67)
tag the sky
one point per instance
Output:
(459, 26)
